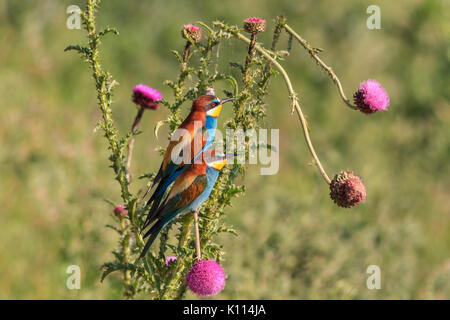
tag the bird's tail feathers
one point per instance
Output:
(158, 176)
(155, 230)
(152, 214)
(160, 190)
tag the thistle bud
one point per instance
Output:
(195, 33)
(120, 212)
(347, 190)
(254, 25)
(169, 260)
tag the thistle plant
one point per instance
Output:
(185, 257)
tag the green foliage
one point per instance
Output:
(153, 277)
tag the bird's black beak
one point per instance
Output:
(227, 100)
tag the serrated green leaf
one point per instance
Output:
(110, 267)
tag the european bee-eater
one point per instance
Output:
(192, 187)
(205, 110)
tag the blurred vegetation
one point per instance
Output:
(293, 242)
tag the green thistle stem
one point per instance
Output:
(197, 237)
(313, 53)
(104, 85)
(177, 275)
(183, 74)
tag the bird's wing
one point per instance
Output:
(158, 195)
(167, 166)
(183, 193)
(184, 139)
(168, 170)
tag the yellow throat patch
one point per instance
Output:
(219, 164)
(215, 112)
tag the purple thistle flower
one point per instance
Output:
(120, 211)
(206, 278)
(146, 97)
(169, 260)
(371, 97)
(254, 25)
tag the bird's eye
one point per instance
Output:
(213, 104)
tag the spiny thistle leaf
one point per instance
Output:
(108, 30)
(110, 267)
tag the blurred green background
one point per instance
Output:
(293, 242)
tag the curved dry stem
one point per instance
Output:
(313, 52)
(294, 100)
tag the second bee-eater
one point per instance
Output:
(192, 187)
